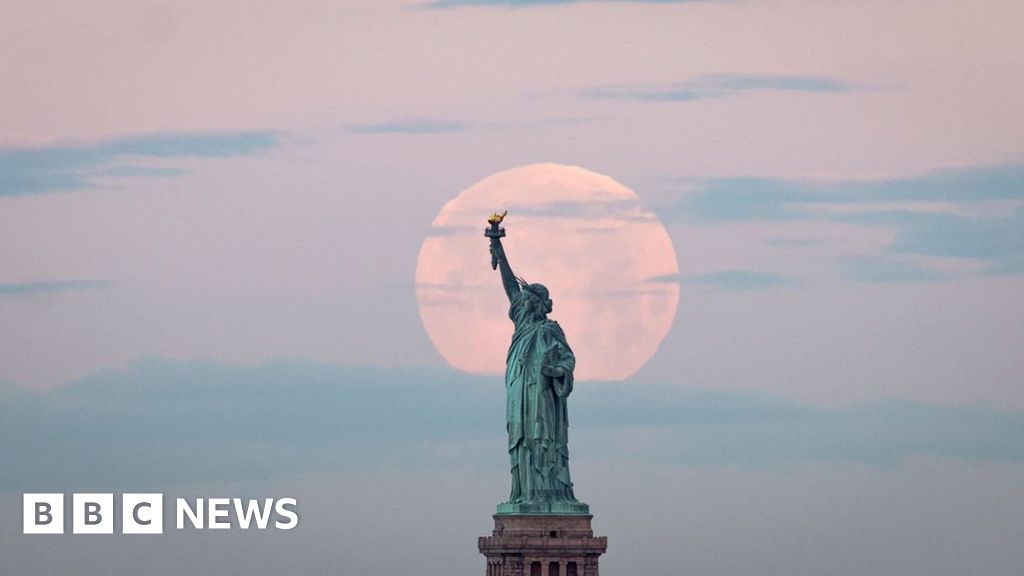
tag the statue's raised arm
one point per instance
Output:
(498, 258)
(538, 380)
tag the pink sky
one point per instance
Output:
(383, 112)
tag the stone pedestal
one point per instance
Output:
(542, 545)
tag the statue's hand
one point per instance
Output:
(552, 371)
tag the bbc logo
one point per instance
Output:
(93, 513)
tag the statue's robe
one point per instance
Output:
(536, 408)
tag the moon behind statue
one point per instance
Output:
(608, 262)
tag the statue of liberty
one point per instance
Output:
(538, 380)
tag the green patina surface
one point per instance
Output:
(538, 381)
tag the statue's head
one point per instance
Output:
(537, 304)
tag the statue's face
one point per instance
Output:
(532, 306)
(536, 307)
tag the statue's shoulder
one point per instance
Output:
(554, 327)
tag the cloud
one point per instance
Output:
(25, 171)
(718, 86)
(162, 423)
(43, 287)
(694, 428)
(614, 208)
(731, 199)
(884, 270)
(140, 171)
(795, 242)
(730, 280)
(416, 126)
(727, 199)
(996, 238)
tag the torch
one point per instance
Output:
(495, 232)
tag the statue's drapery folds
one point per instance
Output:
(536, 408)
(538, 381)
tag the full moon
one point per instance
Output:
(607, 261)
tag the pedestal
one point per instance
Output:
(542, 545)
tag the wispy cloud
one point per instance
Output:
(412, 126)
(140, 171)
(718, 86)
(28, 288)
(881, 269)
(163, 423)
(694, 427)
(526, 3)
(25, 171)
(620, 209)
(996, 238)
(726, 199)
(730, 280)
